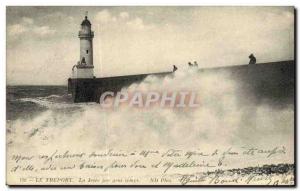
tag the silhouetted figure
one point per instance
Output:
(174, 68)
(195, 64)
(190, 64)
(252, 59)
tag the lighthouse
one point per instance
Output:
(84, 67)
(83, 85)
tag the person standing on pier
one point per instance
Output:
(252, 59)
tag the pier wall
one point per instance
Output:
(274, 82)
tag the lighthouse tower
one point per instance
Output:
(85, 67)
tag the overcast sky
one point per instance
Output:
(43, 43)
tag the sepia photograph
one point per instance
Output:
(150, 96)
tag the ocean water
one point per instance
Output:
(49, 105)
(28, 101)
(43, 118)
